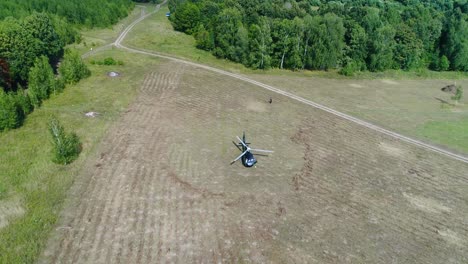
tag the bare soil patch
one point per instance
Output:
(163, 189)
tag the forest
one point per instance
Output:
(33, 36)
(349, 35)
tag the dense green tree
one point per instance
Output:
(281, 37)
(260, 45)
(83, 12)
(40, 26)
(11, 112)
(382, 46)
(408, 49)
(204, 38)
(356, 50)
(187, 17)
(455, 40)
(294, 60)
(41, 81)
(72, 68)
(351, 35)
(19, 48)
(227, 26)
(241, 45)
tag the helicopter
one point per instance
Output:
(248, 159)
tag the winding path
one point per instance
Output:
(118, 44)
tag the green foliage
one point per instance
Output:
(374, 35)
(83, 12)
(350, 68)
(260, 45)
(19, 48)
(5, 76)
(41, 28)
(204, 39)
(458, 94)
(72, 68)
(187, 17)
(13, 109)
(454, 40)
(444, 63)
(24, 101)
(67, 147)
(107, 61)
(41, 81)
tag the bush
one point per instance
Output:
(458, 94)
(24, 102)
(67, 147)
(444, 63)
(109, 61)
(59, 85)
(11, 111)
(350, 68)
(72, 68)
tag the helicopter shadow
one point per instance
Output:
(237, 146)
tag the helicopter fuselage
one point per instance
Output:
(248, 160)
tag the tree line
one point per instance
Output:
(89, 13)
(320, 35)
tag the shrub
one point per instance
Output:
(11, 112)
(350, 68)
(67, 147)
(59, 85)
(458, 94)
(24, 102)
(109, 61)
(444, 63)
(72, 68)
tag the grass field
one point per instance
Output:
(32, 188)
(96, 38)
(406, 102)
(412, 107)
(162, 190)
(154, 183)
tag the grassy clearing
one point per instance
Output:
(33, 188)
(403, 101)
(97, 37)
(450, 133)
(406, 106)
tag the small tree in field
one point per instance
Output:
(67, 147)
(72, 68)
(458, 94)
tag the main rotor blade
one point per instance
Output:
(261, 150)
(240, 156)
(238, 146)
(242, 142)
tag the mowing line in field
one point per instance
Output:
(118, 44)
